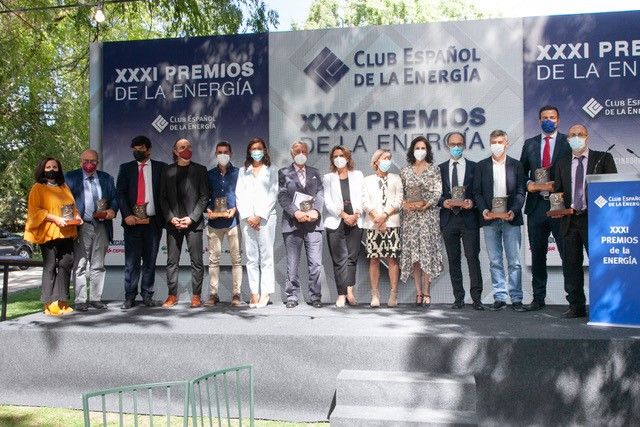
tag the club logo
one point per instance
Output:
(592, 108)
(326, 70)
(159, 123)
(601, 202)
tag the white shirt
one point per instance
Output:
(499, 177)
(462, 164)
(88, 197)
(148, 187)
(257, 195)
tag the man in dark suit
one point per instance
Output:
(301, 223)
(138, 183)
(570, 173)
(184, 193)
(542, 151)
(88, 185)
(502, 176)
(460, 223)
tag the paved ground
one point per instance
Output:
(24, 279)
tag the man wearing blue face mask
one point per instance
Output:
(460, 223)
(542, 151)
(570, 173)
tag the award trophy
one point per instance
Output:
(220, 208)
(306, 205)
(414, 198)
(140, 212)
(102, 205)
(457, 196)
(543, 182)
(499, 208)
(557, 208)
(67, 215)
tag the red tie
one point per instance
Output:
(141, 190)
(546, 154)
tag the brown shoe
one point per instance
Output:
(196, 301)
(212, 300)
(254, 300)
(235, 300)
(170, 301)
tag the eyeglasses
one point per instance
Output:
(93, 162)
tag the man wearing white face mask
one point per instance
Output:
(570, 173)
(502, 176)
(223, 221)
(301, 196)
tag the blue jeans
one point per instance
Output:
(502, 237)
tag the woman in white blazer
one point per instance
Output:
(256, 196)
(343, 220)
(381, 204)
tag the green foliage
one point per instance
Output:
(356, 13)
(44, 65)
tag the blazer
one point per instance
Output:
(483, 188)
(531, 160)
(196, 198)
(333, 203)
(288, 185)
(74, 180)
(564, 184)
(470, 216)
(372, 199)
(257, 195)
(127, 188)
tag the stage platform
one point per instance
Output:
(529, 368)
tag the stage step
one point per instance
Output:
(390, 398)
(378, 416)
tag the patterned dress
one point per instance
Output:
(420, 231)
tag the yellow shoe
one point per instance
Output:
(52, 309)
(64, 307)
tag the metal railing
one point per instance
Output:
(225, 394)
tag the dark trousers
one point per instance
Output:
(293, 242)
(454, 233)
(141, 243)
(575, 239)
(57, 262)
(175, 238)
(344, 247)
(539, 227)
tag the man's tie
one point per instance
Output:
(90, 209)
(578, 191)
(546, 153)
(302, 178)
(454, 183)
(141, 196)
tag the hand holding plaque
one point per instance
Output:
(68, 216)
(413, 199)
(457, 196)
(140, 212)
(102, 205)
(557, 209)
(499, 209)
(543, 183)
(220, 208)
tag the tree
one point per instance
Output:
(44, 64)
(356, 13)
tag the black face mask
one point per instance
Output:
(139, 155)
(52, 175)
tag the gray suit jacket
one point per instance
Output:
(288, 184)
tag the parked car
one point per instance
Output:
(14, 244)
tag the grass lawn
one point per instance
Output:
(23, 302)
(27, 416)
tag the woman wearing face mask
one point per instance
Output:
(343, 220)
(47, 227)
(381, 204)
(256, 195)
(420, 235)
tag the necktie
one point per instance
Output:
(301, 176)
(90, 209)
(141, 196)
(546, 153)
(578, 192)
(454, 175)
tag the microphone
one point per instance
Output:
(632, 152)
(595, 168)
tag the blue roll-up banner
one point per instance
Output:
(614, 250)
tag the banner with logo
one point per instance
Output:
(614, 251)
(204, 89)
